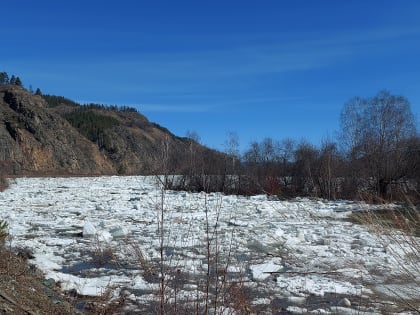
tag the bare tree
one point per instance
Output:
(232, 177)
(262, 160)
(328, 166)
(193, 135)
(232, 149)
(375, 132)
(287, 147)
(269, 166)
(305, 166)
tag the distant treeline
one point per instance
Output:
(375, 156)
(13, 80)
(92, 125)
(54, 101)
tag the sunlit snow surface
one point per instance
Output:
(287, 252)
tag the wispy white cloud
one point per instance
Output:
(224, 69)
(222, 105)
(266, 56)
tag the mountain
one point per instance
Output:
(49, 135)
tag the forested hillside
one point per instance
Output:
(50, 135)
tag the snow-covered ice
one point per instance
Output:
(286, 251)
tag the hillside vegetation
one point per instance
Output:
(50, 135)
(376, 155)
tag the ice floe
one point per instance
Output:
(284, 251)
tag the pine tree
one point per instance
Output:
(18, 82)
(4, 78)
(12, 80)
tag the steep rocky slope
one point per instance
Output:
(24, 291)
(37, 139)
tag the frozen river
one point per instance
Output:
(303, 255)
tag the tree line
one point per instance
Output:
(54, 101)
(13, 80)
(375, 155)
(92, 125)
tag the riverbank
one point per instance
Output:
(23, 290)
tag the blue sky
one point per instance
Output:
(258, 68)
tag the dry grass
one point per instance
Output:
(103, 304)
(3, 231)
(22, 290)
(3, 183)
(398, 230)
(103, 254)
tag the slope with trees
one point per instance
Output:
(377, 152)
(45, 134)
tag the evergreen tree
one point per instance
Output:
(12, 80)
(4, 78)
(18, 82)
(38, 92)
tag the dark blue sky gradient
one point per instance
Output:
(259, 68)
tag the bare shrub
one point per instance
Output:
(23, 290)
(3, 231)
(102, 253)
(398, 230)
(106, 303)
(214, 285)
(4, 184)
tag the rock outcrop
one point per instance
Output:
(36, 139)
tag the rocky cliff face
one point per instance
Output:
(36, 139)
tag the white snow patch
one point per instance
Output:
(314, 284)
(47, 215)
(264, 270)
(85, 286)
(89, 229)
